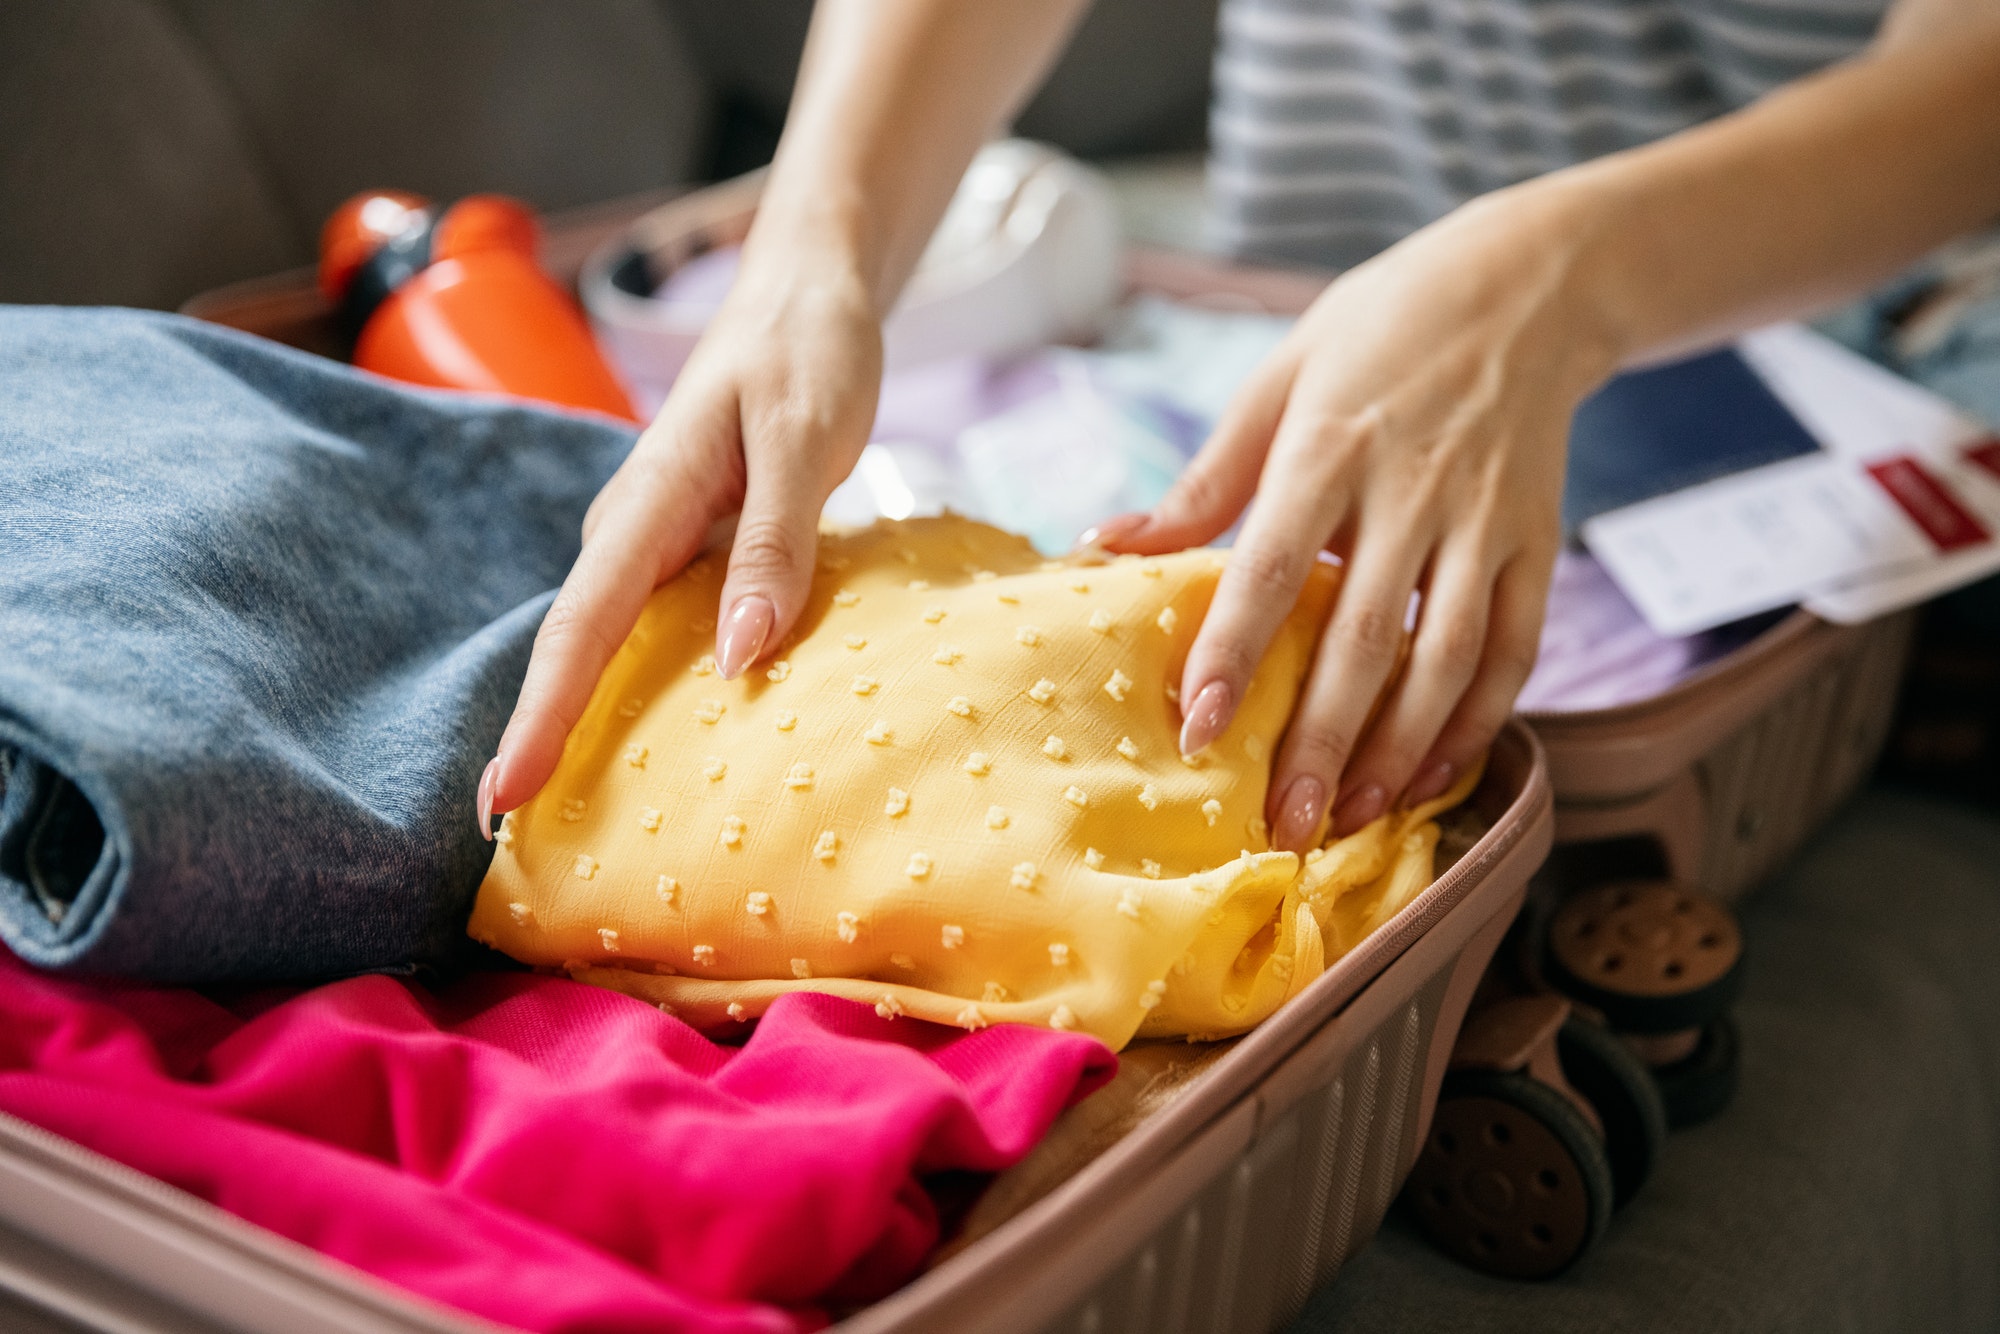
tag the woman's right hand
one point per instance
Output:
(769, 415)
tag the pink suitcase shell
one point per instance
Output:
(1717, 781)
(1222, 1212)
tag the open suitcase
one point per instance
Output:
(1221, 1212)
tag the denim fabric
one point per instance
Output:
(262, 619)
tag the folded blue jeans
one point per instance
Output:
(262, 620)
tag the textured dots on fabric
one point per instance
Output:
(993, 830)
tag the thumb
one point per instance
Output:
(1222, 479)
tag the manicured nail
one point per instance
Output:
(743, 634)
(1299, 814)
(1112, 529)
(1206, 717)
(1431, 781)
(1358, 808)
(486, 781)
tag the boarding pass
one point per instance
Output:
(1900, 502)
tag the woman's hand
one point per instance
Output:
(1414, 422)
(768, 416)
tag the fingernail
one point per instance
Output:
(486, 782)
(1299, 814)
(1207, 715)
(1431, 781)
(1112, 529)
(1364, 804)
(743, 634)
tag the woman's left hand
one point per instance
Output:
(1414, 422)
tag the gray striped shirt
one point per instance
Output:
(1340, 126)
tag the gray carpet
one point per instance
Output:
(1855, 1183)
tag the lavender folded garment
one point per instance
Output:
(1598, 652)
(262, 618)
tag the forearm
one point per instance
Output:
(1804, 198)
(893, 99)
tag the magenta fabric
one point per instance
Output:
(542, 1153)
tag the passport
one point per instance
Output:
(1665, 428)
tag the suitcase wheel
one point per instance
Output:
(1512, 1180)
(1621, 1088)
(1651, 957)
(1701, 1085)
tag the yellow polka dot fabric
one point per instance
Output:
(954, 793)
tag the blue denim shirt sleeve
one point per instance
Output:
(262, 619)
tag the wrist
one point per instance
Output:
(1559, 238)
(817, 234)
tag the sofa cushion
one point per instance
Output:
(129, 176)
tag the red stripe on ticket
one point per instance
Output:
(1985, 454)
(1929, 503)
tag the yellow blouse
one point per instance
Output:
(955, 794)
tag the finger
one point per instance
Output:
(1296, 510)
(1445, 655)
(1356, 657)
(1513, 640)
(654, 528)
(1221, 479)
(771, 560)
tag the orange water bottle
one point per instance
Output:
(457, 299)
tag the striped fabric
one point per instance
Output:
(1340, 126)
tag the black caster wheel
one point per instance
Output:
(1699, 1086)
(1512, 1180)
(1651, 957)
(1621, 1089)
